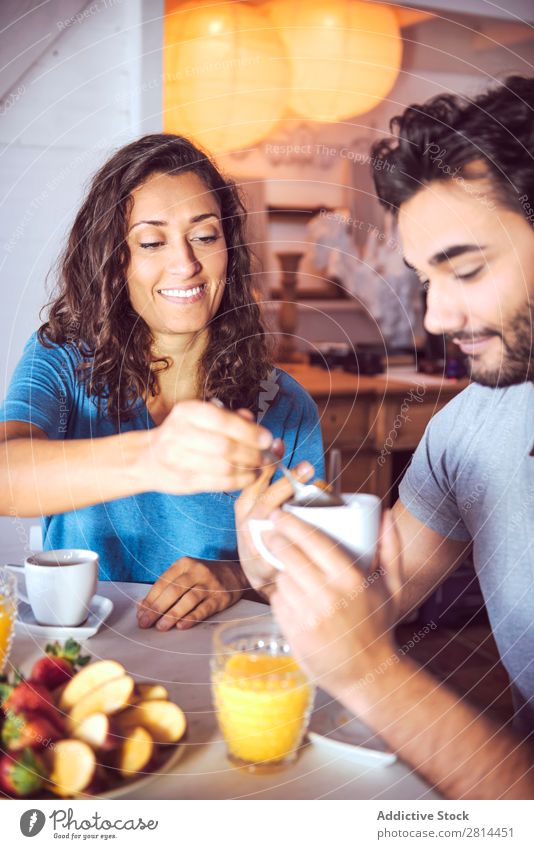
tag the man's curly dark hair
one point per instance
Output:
(489, 137)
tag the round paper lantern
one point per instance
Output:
(225, 74)
(345, 55)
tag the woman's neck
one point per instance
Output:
(179, 382)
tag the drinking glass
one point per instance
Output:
(8, 613)
(263, 699)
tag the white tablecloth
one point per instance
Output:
(180, 660)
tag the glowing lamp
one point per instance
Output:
(225, 74)
(345, 56)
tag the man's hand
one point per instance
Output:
(337, 618)
(338, 622)
(190, 591)
(257, 501)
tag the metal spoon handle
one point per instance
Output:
(303, 494)
(334, 471)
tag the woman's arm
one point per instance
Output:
(198, 448)
(40, 476)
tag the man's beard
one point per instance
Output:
(517, 361)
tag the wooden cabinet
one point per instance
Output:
(373, 419)
(344, 421)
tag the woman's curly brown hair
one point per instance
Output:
(91, 308)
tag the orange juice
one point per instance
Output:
(263, 704)
(7, 621)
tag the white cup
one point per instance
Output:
(355, 526)
(60, 585)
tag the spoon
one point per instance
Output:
(304, 494)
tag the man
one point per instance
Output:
(460, 179)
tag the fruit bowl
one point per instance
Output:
(88, 732)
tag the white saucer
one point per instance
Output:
(334, 726)
(99, 610)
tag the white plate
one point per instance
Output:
(333, 725)
(136, 784)
(130, 785)
(99, 610)
(127, 785)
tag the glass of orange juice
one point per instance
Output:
(263, 699)
(8, 613)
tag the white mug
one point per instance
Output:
(60, 585)
(355, 526)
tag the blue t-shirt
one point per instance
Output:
(140, 536)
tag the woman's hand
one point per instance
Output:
(257, 501)
(201, 448)
(190, 591)
(337, 618)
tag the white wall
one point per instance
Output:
(78, 97)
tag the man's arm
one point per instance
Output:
(426, 559)
(338, 622)
(463, 753)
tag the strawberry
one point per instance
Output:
(58, 665)
(28, 729)
(52, 671)
(28, 696)
(5, 688)
(22, 773)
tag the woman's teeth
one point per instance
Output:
(182, 293)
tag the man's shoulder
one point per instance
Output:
(477, 404)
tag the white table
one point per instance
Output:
(180, 660)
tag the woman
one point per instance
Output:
(108, 432)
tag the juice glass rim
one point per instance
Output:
(264, 629)
(8, 582)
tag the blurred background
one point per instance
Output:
(288, 96)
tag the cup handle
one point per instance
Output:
(18, 571)
(257, 527)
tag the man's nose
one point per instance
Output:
(182, 261)
(444, 309)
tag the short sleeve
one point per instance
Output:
(289, 412)
(427, 489)
(42, 388)
(308, 444)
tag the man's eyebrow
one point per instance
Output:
(194, 220)
(452, 252)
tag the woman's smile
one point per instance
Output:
(184, 295)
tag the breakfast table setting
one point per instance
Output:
(338, 758)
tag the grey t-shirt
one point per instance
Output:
(472, 478)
